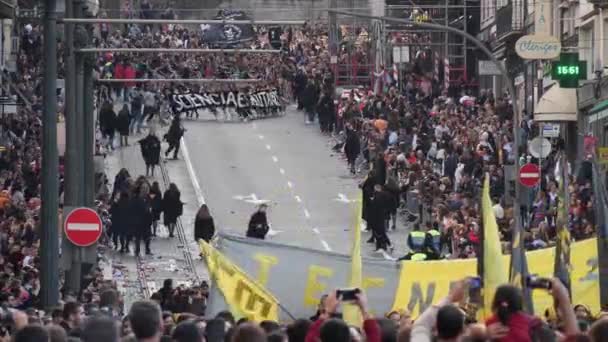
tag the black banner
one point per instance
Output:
(235, 99)
(227, 34)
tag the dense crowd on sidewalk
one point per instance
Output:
(425, 150)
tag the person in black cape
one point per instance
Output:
(150, 151)
(258, 223)
(204, 227)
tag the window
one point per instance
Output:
(587, 48)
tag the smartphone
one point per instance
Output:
(475, 286)
(475, 283)
(347, 295)
(536, 282)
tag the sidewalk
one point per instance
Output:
(175, 258)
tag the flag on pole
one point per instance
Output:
(518, 269)
(493, 271)
(352, 314)
(561, 268)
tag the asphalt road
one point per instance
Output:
(286, 163)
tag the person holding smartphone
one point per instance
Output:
(327, 329)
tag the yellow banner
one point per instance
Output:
(352, 314)
(244, 296)
(422, 284)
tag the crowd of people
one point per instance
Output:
(425, 150)
(424, 153)
(176, 314)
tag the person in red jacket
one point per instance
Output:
(119, 74)
(327, 329)
(129, 75)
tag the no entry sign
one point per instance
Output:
(529, 175)
(83, 227)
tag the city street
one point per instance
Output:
(287, 164)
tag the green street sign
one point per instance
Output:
(569, 70)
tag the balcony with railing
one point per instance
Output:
(510, 20)
(7, 9)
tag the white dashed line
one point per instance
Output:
(316, 231)
(386, 256)
(261, 137)
(306, 213)
(275, 159)
(268, 147)
(326, 245)
(282, 171)
(289, 184)
(298, 199)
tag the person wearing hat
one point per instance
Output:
(258, 223)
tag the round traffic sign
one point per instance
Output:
(529, 175)
(82, 227)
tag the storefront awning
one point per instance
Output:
(557, 104)
(600, 106)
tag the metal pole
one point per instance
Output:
(49, 233)
(143, 50)
(180, 22)
(89, 132)
(501, 68)
(71, 150)
(76, 135)
(183, 80)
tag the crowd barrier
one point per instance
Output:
(256, 272)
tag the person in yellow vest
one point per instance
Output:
(433, 242)
(416, 239)
(416, 242)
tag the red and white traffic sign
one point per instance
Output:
(83, 227)
(529, 175)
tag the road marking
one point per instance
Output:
(326, 245)
(275, 159)
(253, 197)
(386, 256)
(316, 231)
(298, 199)
(282, 171)
(193, 177)
(261, 137)
(268, 147)
(306, 213)
(289, 184)
(342, 198)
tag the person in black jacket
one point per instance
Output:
(120, 222)
(258, 223)
(352, 148)
(172, 208)
(141, 218)
(379, 211)
(122, 125)
(156, 204)
(173, 136)
(326, 110)
(204, 227)
(150, 151)
(107, 124)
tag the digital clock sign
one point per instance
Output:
(569, 70)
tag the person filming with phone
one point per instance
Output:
(328, 329)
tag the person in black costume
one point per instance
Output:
(204, 227)
(258, 223)
(150, 151)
